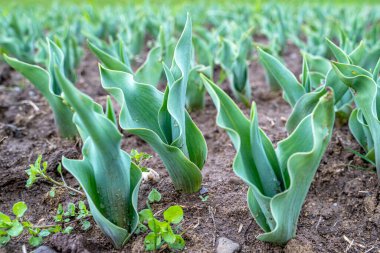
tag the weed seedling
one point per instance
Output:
(161, 233)
(38, 171)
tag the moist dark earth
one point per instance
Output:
(341, 212)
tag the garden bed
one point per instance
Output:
(341, 212)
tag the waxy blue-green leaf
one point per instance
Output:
(72, 52)
(269, 78)
(195, 93)
(293, 90)
(46, 83)
(315, 69)
(149, 72)
(367, 96)
(160, 119)
(232, 57)
(278, 179)
(106, 174)
(110, 61)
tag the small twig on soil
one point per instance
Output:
(318, 223)
(163, 247)
(350, 243)
(370, 249)
(160, 211)
(61, 184)
(210, 209)
(190, 227)
(4, 138)
(65, 223)
(240, 228)
(51, 145)
(23, 248)
(246, 231)
(29, 102)
(271, 121)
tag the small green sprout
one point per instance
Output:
(139, 158)
(161, 232)
(11, 228)
(38, 171)
(73, 213)
(154, 196)
(203, 198)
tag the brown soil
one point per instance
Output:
(341, 212)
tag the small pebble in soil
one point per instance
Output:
(226, 245)
(235, 181)
(44, 249)
(203, 190)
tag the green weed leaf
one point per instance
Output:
(174, 214)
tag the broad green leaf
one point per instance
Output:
(195, 92)
(179, 71)
(300, 155)
(152, 241)
(44, 233)
(145, 215)
(339, 54)
(86, 225)
(163, 121)
(232, 57)
(168, 234)
(366, 96)
(156, 225)
(108, 60)
(174, 214)
(178, 244)
(269, 78)
(4, 240)
(293, 90)
(110, 111)
(154, 196)
(105, 173)
(234, 121)
(303, 107)
(293, 163)
(19, 209)
(151, 70)
(46, 83)
(35, 241)
(68, 230)
(16, 229)
(5, 220)
(264, 158)
(360, 130)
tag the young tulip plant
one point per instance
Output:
(108, 177)
(160, 119)
(72, 52)
(232, 57)
(20, 36)
(278, 179)
(201, 63)
(205, 48)
(149, 72)
(46, 82)
(360, 56)
(364, 121)
(316, 73)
